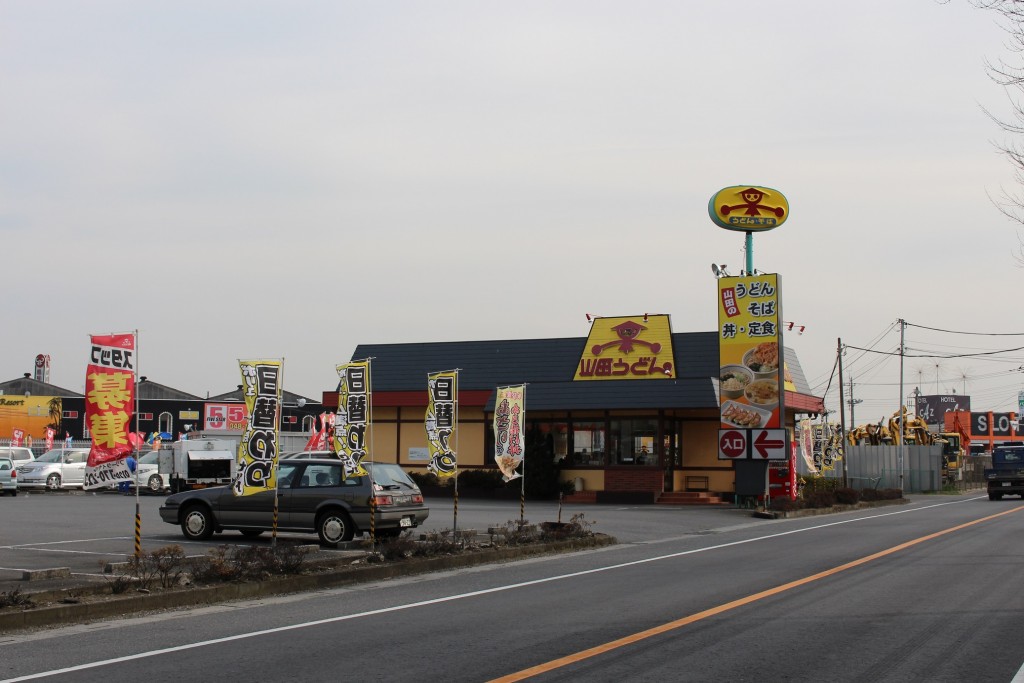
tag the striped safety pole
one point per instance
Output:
(138, 530)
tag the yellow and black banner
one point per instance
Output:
(352, 423)
(258, 449)
(441, 422)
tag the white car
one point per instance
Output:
(19, 454)
(61, 468)
(8, 477)
(147, 474)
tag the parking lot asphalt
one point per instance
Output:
(60, 540)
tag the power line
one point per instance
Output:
(920, 355)
(981, 334)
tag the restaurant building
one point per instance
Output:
(632, 426)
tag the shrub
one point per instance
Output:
(16, 599)
(819, 498)
(486, 479)
(168, 564)
(847, 496)
(428, 479)
(787, 505)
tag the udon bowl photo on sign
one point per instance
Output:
(763, 393)
(733, 379)
(763, 360)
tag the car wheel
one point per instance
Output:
(53, 482)
(334, 526)
(995, 496)
(197, 523)
(251, 533)
(156, 483)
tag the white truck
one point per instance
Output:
(199, 463)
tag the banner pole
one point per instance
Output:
(277, 442)
(522, 484)
(455, 509)
(373, 492)
(138, 507)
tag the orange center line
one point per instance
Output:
(679, 623)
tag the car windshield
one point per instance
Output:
(151, 458)
(391, 476)
(56, 455)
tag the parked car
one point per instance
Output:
(55, 469)
(313, 497)
(308, 455)
(8, 477)
(18, 454)
(147, 474)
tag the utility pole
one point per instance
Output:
(899, 448)
(842, 414)
(853, 401)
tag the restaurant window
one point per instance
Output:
(633, 442)
(556, 438)
(589, 444)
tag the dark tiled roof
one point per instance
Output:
(36, 388)
(548, 366)
(150, 390)
(286, 397)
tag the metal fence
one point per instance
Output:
(879, 467)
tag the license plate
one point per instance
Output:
(405, 522)
(1006, 483)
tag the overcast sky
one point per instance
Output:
(290, 179)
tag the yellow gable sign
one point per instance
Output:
(633, 347)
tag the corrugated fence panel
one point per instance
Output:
(878, 467)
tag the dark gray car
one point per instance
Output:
(313, 497)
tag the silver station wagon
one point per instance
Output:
(312, 498)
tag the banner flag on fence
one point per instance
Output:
(257, 451)
(441, 422)
(318, 439)
(51, 433)
(353, 421)
(109, 406)
(509, 413)
(17, 437)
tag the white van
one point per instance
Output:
(19, 455)
(61, 468)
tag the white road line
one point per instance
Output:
(80, 540)
(452, 598)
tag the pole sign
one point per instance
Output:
(746, 208)
(753, 444)
(750, 384)
(732, 444)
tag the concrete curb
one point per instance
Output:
(83, 611)
(813, 512)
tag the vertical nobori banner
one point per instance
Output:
(352, 423)
(109, 405)
(441, 422)
(257, 451)
(509, 413)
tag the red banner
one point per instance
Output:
(50, 434)
(109, 405)
(17, 438)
